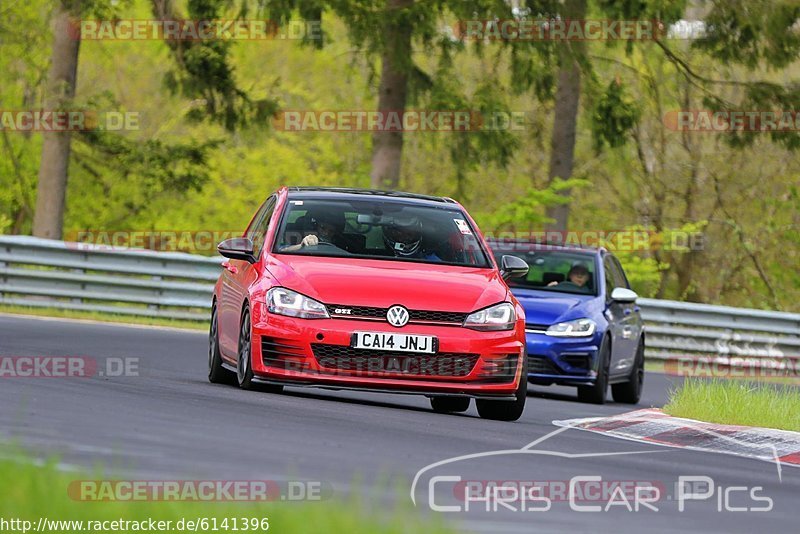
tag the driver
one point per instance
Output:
(325, 228)
(578, 275)
(404, 238)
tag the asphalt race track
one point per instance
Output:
(169, 422)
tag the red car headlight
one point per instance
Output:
(498, 317)
(287, 302)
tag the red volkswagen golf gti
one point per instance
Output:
(370, 290)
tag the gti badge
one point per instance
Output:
(397, 316)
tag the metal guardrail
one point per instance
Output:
(721, 335)
(76, 276)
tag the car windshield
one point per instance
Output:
(554, 270)
(379, 229)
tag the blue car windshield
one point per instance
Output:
(559, 271)
(380, 230)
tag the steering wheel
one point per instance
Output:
(327, 244)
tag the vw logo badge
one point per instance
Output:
(397, 316)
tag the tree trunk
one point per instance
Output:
(387, 147)
(48, 219)
(568, 92)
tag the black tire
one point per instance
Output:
(630, 392)
(502, 410)
(596, 394)
(450, 404)
(217, 374)
(244, 367)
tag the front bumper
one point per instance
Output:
(317, 353)
(561, 360)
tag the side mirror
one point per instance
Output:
(512, 267)
(237, 248)
(621, 294)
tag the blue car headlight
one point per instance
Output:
(576, 328)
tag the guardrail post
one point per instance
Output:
(4, 278)
(157, 278)
(80, 271)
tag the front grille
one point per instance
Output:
(436, 316)
(344, 358)
(532, 326)
(542, 365)
(415, 316)
(358, 311)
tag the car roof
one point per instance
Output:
(523, 245)
(298, 192)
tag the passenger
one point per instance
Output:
(404, 238)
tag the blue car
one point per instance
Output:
(583, 326)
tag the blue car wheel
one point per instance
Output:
(596, 393)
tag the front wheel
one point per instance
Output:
(501, 410)
(244, 367)
(596, 394)
(630, 392)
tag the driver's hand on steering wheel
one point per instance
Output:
(310, 240)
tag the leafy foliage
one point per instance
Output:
(614, 117)
(203, 72)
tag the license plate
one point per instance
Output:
(394, 342)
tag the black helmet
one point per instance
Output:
(403, 235)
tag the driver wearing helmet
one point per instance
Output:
(404, 238)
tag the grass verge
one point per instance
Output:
(735, 402)
(103, 317)
(29, 492)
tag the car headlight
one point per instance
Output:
(287, 302)
(497, 317)
(576, 328)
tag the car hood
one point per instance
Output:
(547, 308)
(383, 283)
